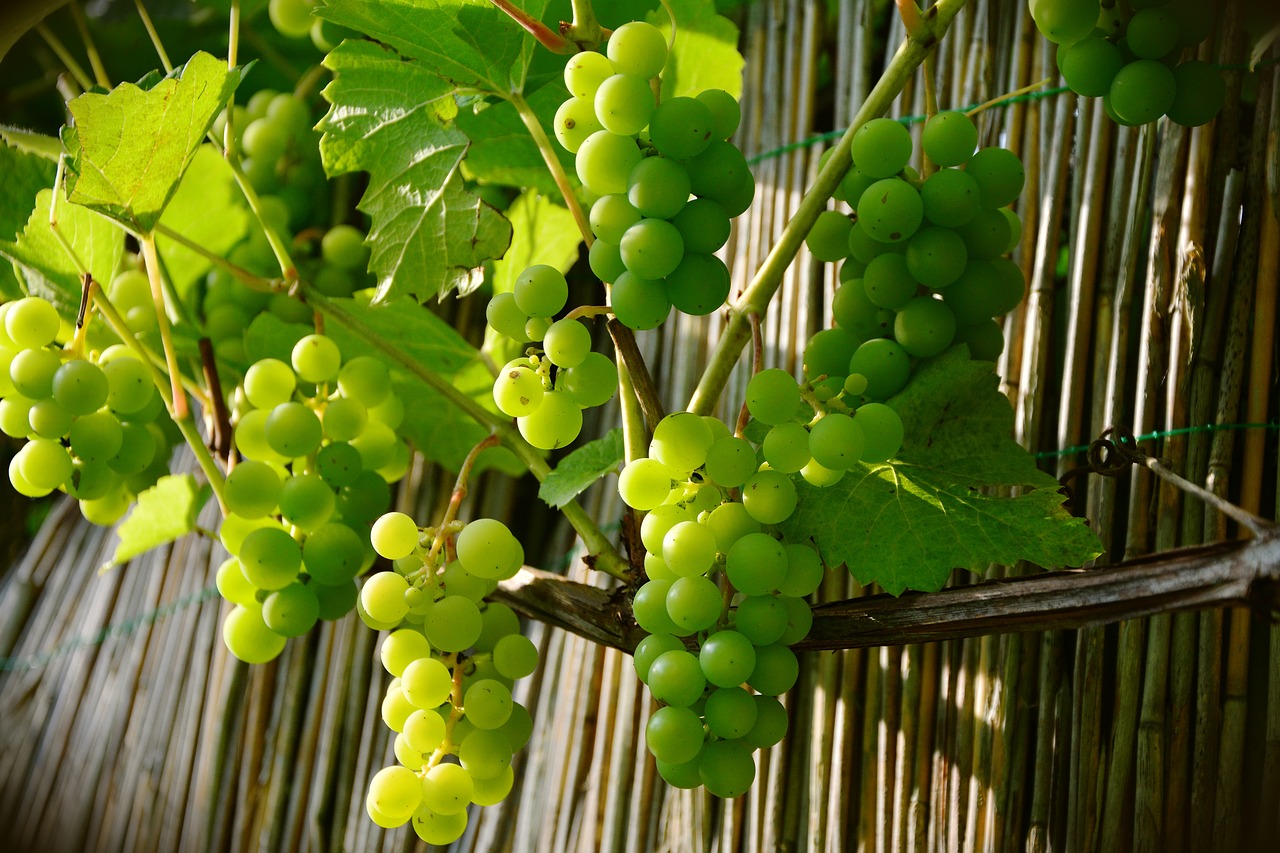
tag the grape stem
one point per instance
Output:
(60, 50)
(641, 381)
(585, 31)
(985, 105)
(447, 746)
(588, 311)
(255, 282)
(757, 364)
(87, 288)
(287, 270)
(459, 492)
(154, 36)
(548, 38)
(90, 47)
(549, 157)
(219, 419)
(768, 278)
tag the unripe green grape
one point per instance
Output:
(1199, 95)
(269, 382)
(505, 317)
(306, 501)
(292, 611)
(799, 620)
(383, 598)
(890, 210)
(726, 768)
(407, 756)
(703, 226)
(770, 725)
(725, 110)
(639, 303)
(738, 197)
(624, 103)
(518, 391)
(1089, 65)
(394, 535)
(828, 239)
(541, 291)
(376, 445)
(270, 558)
(556, 423)
(731, 461)
(770, 497)
(247, 636)
(652, 248)
(604, 161)
(649, 649)
(730, 712)
(658, 521)
(446, 789)
(293, 430)
(804, 570)
(401, 648)
(925, 327)
(655, 569)
(338, 464)
(1152, 33)
(949, 138)
(365, 379)
(720, 173)
(950, 198)
(593, 382)
(336, 601)
(424, 730)
(515, 656)
(585, 71)
(637, 48)
(645, 483)
(138, 448)
(786, 447)
(252, 489)
(396, 792)
(1143, 91)
(999, 174)
(31, 323)
(1064, 22)
(699, 285)
(44, 463)
(20, 483)
(32, 372)
(674, 735)
(681, 441)
(886, 366)
(888, 282)
(574, 121)
(435, 828)
(91, 480)
(776, 670)
(80, 387)
(756, 564)
(773, 396)
(96, 437)
(727, 658)
(15, 413)
(984, 338)
(453, 624)
(292, 18)
(649, 607)
(682, 127)
(250, 437)
(487, 549)
(605, 259)
(488, 703)
(836, 442)
(676, 678)
(316, 359)
(234, 586)
(936, 256)
(689, 549)
(684, 776)
(426, 682)
(612, 215)
(981, 291)
(486, 754)
(883, 432)
(567, 343)
(881, 148)
(129, 387)
(986, 236)
(658, 187)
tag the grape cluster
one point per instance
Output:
(95, 428)
(453, 657)
(642, 161)
(1129, 55)
(724, 601)
(547, 408)
(925, 263)
(318, 445)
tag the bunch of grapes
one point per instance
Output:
(318, 445)
(454, 658)
(1129, 54)
(925, 263)
(724, 601)
(95, 427)
(547, 408)
(642, 161)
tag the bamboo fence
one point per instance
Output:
(1151, 256)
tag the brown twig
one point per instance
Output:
(220, 431)
(551, 40)
(624, 341)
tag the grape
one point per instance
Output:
(924, 327)
(645, 483)
(727, 658)
(129, 387)
(316, 359)
(770, 497)
(880, 148)
(890, 210)
(518, 391)
(755, 565)
(365, 379)
(1152, 33)
(103, 511)
(591, 383)
(804, 569)
(426, 682)
(682, 127)
(604, 160)
(649, 649)
(435, 828)
(252, 489)
(637, 48)
(657, 187)
(613, 214)
(987, 235)
(950, 197)
(1064, 21)
(25, 488)
(293, 430)
(883, 432)
(485, 754)
(885, 364)
(31, 323)
(770, 725)
(853, 310)
(487, 549)
(453, 624)
(556, 423)
(773, 396)
(836, 441)
(726, 768)
(574, 122)
(999, 175)
(680, 775)
(681, 441)
(1090, 65)
(719, 173)
(395, 792)
(138, 447)
(269, 382)
(234, 586)
(515, 656)
(401, 648)
(888, 281)
(655, 568)
(703, 226)
(676, 678)
(247, 636)
(639, 303)
(394, 536)
(44, 463)
(949, 138)
(674, 734)
(786, 447)
(292, 611)
(984, 338)
(343, 420)
(724, 108)
(382, 597)
(693, 603)
(982, 290)
(1143, 91)
(584, 73)
(731, 461)
(32, 372)
(505, 317)
(652, 248)
(936, 256)
(447, 789)
(649, 606)
(488, 703)
(776, 670)
(828, 239)
(623, 104)
(270, 558)
(739, 196)
(80, 387)
(339, 464)
(1200, 92)
(699, 285)
(605, 259)
(799, 620)
(96, 437)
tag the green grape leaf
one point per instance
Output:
(705, 54)
(503, 152)
(24, 176)
(164, 513)
(581, 468)
(43, 263)
(472, 44)
(28, 141)
(209, 210)
(130, 147)
(429, 234)
(908, 523)
(543, 232)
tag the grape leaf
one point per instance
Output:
(469, 43)
(165, 512)
(208, 209)
(24, 176)
(31, 142)
(581, 468)
(908, 523)
(503, 152)
(129, 148)
(44, 264)
(429, 234)
(705, 54)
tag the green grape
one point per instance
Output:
(591, 383)
(836, 441)
(1200, 93)
(936, 256)
(424, 731)
(435, 828)
(22, 486)
(681, 441)
(689, 549)
(720, 173)
(306, 501)
(855, 384)
(950, 197)
(247, 636)
(129, 387)
(786, 447)
(1089, 65)
(44, 463)
(292, 18)
(605, 260)
(234, 586)
(731, 711)
(365, 379)
(649, 649)
(773, 396)
(725, 110)
(683, 776)
(395, 792)
(394, 535)
(949, 138)
(574, 121)
(1015, 229)
(727, 658)
(536, 328)
(676, 678)
(342, 246)
(886, 366)
(655, 569)
(1152, 33)
(446, 789)
(881, 148)
(556, 423)
(1064, 21)
(376, 445)
(270, 558)
(316, 359)
(488, 703)
(339, 464)
(292, 611)
(567, 343)
(999, 175)
(104, 511)
(401, 648)
(612, 215)
(984, 290)
(649, 606)
(731, 462)
(924, 327)
(827, 353)
(890, 210)
(986, 235)
(541, 291)
(776, 670)
(138, 447)
(252, 489)
(888, 282)
(1143, 91)
(382, 597)
(1195, 21)
(32, 372)
(487, 549)
(770, 497)
(515, 656)
(453, 624)
(726, 768)
(854, 311)
(269, 382)
(584, 73)
(519, 727)
(80, 387)
(739, 196)
(639, 303)
(486, 754)
(804, 567)
(505, 317)
(984, 338)
(703, 225)
(652, 248)
(293, 430)
(828, 239)
(852, 185)
(657, 187)
(234, 529)
(699, 285)
(91, 480)
(31, 323)
(604, 160)
(883, 432)
(682, 127)
(637, 48)
(518, 391)
(799, 620)
(645, 483)
(770, 725)
(94, 438)
(756, 564)
(674, 734)
(426, 682)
